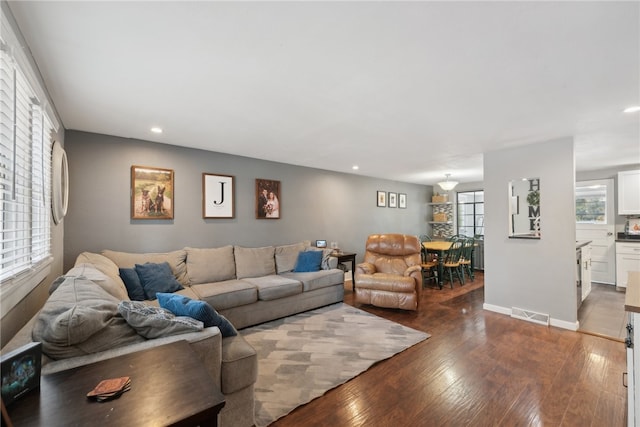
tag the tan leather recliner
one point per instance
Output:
(391, 274)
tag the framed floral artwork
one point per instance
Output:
(393, 200)
(381, 199)
(402, 200)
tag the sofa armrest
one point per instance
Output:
(206, 343)
(365, 268)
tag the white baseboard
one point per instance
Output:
(497, 309)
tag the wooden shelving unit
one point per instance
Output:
(442, 229)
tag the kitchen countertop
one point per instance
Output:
(632, 296)
(628, 240)
(622, 237)
(581, 243)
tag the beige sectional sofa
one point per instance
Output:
(246, 285)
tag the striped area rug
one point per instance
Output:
(303, 356)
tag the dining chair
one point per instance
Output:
(451, 262)
(467, 254)
(429, 262)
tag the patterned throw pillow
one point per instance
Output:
(200, 310)
(154, 322)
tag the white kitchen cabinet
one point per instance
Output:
(629, 192)
(627, 259)
(586, 271)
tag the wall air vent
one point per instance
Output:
(530, 316)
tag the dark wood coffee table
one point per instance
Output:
(169, 387)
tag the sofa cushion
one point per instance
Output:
(100, 262)
(177, 261)
(275, 287)
(308, 261)
(155, 322)
(210, 265)
(199, 310)
(239, 364)
(106, 281)
(254, 262)
(132, 283)
(286, 256)
(317, 279)
(81, 318)
(156, 278)
(227, 294)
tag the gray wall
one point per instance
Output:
(315, 204)
(536, 275)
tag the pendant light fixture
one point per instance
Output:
(448, 185)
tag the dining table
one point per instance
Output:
(440, 247)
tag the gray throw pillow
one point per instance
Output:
(154, 322)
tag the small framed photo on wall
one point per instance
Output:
(381, 197)
(217, 196)
(402, 200)
(152, 195)
(268, 199)
(393, 200)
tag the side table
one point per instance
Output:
(169, 386)
(349, 257)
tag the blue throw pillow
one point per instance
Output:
(157, 278)
(131, 280)
(199, 310)
(308, 261)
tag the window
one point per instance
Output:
(591, 204)
(25, 175)
(471, 213)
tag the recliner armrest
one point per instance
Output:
(412, 269)
(365, 268)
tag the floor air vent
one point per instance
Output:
(530, 316)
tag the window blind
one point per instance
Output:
(25, 173)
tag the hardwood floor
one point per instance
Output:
(479, 368)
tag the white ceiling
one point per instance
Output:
(408, 91)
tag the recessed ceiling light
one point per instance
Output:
(156, 130)
(355, 167)
(633, 109)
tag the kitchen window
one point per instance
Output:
(470, 206)
(591, 204)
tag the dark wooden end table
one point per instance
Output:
(169, 387)
(348, 257)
